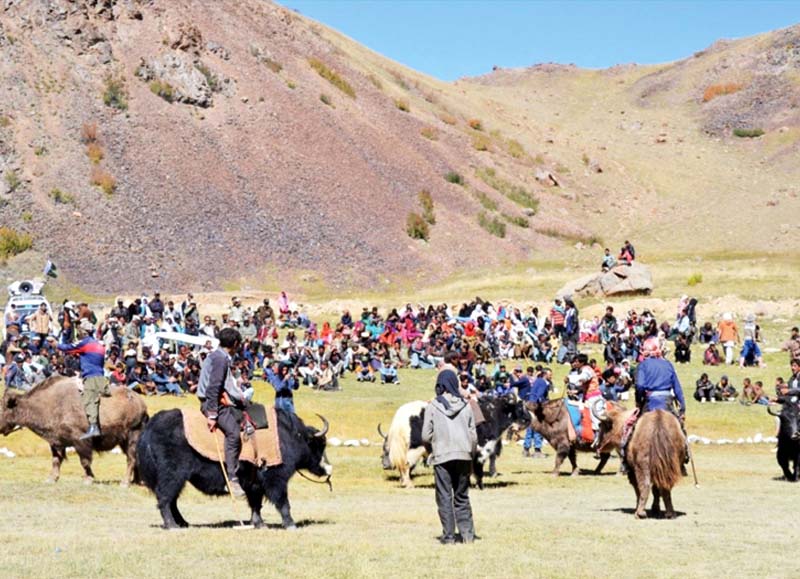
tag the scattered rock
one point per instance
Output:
(546, 178)
(187, 38)
(333, 441)
(351, 443)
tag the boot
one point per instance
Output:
(236, 489)
(526, 453)
(93, 432)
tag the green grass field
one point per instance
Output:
(740, 521)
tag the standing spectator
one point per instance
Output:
(751, 353)
(728, 336)
(537, 393)
(284, 383)
(40, 322)
(156, 306)
(557, 317)
(792, 345)
(449, 427)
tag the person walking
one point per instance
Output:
(92, 357)
(449, 427)
(728, 336)
(219, 405)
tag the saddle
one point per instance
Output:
(580, 423)
(260, 448)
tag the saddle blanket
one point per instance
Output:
(266, 448)
(581, 422)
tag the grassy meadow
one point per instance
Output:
(738, 522)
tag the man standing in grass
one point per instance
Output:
(449, 427)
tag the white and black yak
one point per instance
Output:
(167, 462)
(402, 446)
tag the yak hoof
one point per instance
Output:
(124, 484)
(575, 472)
(291, 527)
(640, 515)
(50, 480)
(669, 515)
(87, 480)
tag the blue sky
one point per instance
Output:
(466, 38)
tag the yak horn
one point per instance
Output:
(769, 411)
(325, 427)
(383, 436)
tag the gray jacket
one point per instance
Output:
(451, 432)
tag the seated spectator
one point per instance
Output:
(724, 391)
(608, 260)
(327, 378)
(753, 393)
(611, 386)
(711, 355)
(388, 372)
(119, 377)
(165, 381)
(683, 352)
(704, 389)
(310, 374)
(707, 335)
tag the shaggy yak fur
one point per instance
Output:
(53, 410)
(551, 419)
(655, 454)
(167, 463)
(499, 414)
(788, 440)
(402, 446)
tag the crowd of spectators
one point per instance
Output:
(157, 346)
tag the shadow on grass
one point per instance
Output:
(650, 513)
(230, 524)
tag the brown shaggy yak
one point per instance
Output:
(655, 454)
(53, 410)
(551, 419)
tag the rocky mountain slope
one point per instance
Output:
(182, 144)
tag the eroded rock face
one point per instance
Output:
(622, 280)
(178, 70)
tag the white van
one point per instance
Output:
(25, 297)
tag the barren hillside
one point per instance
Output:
(185, 143)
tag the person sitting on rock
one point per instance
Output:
(609, 260)
(625, 257)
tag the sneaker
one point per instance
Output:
(538, 454)
(702, 401)
(236, 489)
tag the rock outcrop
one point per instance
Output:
(622, 280)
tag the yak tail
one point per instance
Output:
(666, 451)
(146, 467)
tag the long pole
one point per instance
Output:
(225, 474)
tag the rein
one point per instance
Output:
(318, 482)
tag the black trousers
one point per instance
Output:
(452, 499)
(229, 421)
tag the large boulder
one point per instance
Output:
(634, 279)
(179, 75)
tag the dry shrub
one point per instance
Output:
(475, 124)
(105, 180)
(715, 90)
(448, 119)
(417, 227)
(332, 77)
(429, 133)
(403, 105)
(94, 152)
(13, 243)
(492, 224)
(89, 133)
(426, 200)
(481, 142)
